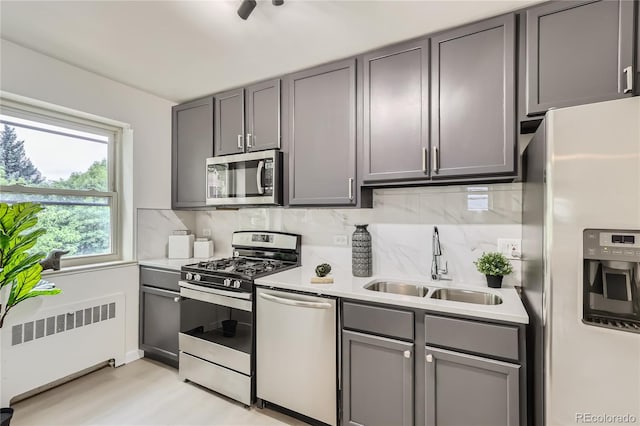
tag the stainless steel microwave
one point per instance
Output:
(251, 179)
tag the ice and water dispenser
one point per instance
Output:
(611, 283)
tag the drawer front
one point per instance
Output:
(214, 377)
(377, 320)
(489, 339)
(160, 278)
(213, 352)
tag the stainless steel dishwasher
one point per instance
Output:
(296, 353)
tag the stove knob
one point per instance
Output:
(236, 284)
(227, 282)
(196, 277)
(189, 276)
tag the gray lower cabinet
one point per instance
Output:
(191, 144)
(248, 119)
(159, 314)
(396, 112)
(473, 100)
(322, 135)
(578, 53)
(378, 377)
(468, 390)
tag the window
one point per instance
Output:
(68, 164)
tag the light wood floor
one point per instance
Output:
(143, 392)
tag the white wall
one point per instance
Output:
(28, 73)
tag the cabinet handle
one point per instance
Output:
(435, 159)
(351, 188)
(429, 358)
(240, 145)
(407, 354)
(424, 160)
(248, 140)
(177, 299)
(628, 73)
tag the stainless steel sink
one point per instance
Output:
(467, 296)
(397, 288)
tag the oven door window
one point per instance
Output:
(217, 324)
(244, 179)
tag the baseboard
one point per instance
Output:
(131, 356)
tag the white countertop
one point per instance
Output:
(511, 309)
(174, 264)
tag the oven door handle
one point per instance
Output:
(259, 177)
(299, 303)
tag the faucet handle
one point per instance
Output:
(445, 270)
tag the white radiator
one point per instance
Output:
(60, 342)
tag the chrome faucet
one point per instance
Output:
(437, 272)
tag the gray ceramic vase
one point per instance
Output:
(361, 252)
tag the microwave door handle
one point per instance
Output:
(259, 177)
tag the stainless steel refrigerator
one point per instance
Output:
(581, 264)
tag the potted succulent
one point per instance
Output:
(494, 266)
(20, 271)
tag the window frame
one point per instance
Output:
(58, 116)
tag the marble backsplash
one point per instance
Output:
(470, 219)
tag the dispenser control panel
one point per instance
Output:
(610, 244)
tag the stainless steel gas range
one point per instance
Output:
(216, 339)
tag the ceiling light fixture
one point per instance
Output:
(247, 6)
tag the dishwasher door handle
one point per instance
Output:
(292, 302)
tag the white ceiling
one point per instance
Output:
(180, 50)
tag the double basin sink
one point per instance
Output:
(451, 294)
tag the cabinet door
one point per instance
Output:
(473, 99)
(322, 127)
(463, 389)
(263, 116)
(160, 323)
(577, 53)
(396, 117)
(377, 380)
(229, 123)
(191, 144)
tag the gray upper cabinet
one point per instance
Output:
(258, 129)
(396, 117)
(263, 116)
(463, 389)
(322, 135)
(473, 100)
(377, 380)
(191, 144)
(578, 52)
(229, 124)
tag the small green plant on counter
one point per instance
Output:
(19, 269)
(323, 269)
(494, 264)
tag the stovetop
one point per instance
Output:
(243, 267)
(256, 254)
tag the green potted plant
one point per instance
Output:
(20, 270)
(494, 266)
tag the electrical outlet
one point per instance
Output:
(206, 232)
(340, 240)
(510, 247)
